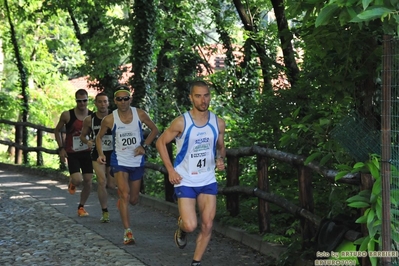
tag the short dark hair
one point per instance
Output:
(81, 92)
(198, 83)
(100, 94)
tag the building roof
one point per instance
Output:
(85, 83)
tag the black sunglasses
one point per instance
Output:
(81, 100)
(125, 98)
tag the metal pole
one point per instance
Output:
(386, 148)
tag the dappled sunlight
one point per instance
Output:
(52, 198)
(23, 186)
(55, 199)
(64, 187)
(15, 184)
(41, 188)
(20, 197)
(41, 184)
(4, 175)
(59, 204)
(33, 187)
(47, 182)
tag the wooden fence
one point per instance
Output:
(20, 149)
(261, 190)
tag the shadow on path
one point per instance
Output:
(153, 223)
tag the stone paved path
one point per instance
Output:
(34, 233)
(39, 226)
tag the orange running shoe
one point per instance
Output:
(71, 188)
(82, 212)
(128, 238)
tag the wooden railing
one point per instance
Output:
(261, 188)
(309, 221)
(20, 148)
(233, 189)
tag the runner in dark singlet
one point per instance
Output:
(91, 126)
(76, 153)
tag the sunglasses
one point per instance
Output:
(119, 99)
(81, 100)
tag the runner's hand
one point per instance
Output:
(220, 164)
(102, 159)
(174, 178)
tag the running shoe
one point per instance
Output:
(105, 217)
(82, 212)
(180, 235)
(128, 237)
(71, 188)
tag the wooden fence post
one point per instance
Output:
(306, 202)
(263, 184)
(232, 200)
(142, 185)
(39, 139)
(18, 140)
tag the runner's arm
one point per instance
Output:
(86, 129)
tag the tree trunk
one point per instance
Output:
(286, 37)
(24, 80)
(260, 49)
(143, 30)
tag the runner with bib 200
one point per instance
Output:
(127, 159)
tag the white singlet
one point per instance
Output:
(126, 138)
(196, 152)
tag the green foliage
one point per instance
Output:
(361, 12)
(154, 184)
(143, 33)
(247, 219)
(339, 71)
(43, 57)
(326, 13)
(178, 61)
(9, 105)
(336, 201)
(292, 254)
(46, 37)
(309, 135)
(371, 202)
(62, 98)
(274, 238)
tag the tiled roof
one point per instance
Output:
(213, 54)
(84, 83)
